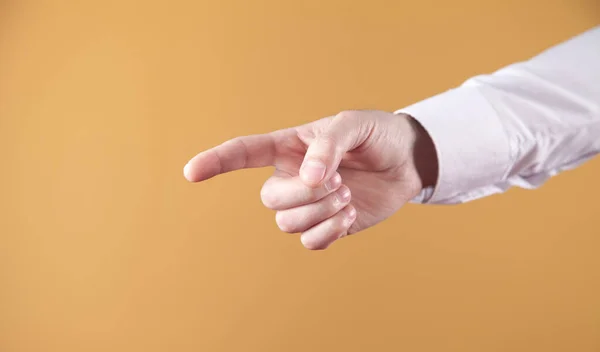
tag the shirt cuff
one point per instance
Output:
(471, 144)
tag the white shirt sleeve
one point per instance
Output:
(518, 126)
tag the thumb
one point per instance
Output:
(333, 137)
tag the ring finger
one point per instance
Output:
(302, 218)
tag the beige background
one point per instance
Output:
(105, 247)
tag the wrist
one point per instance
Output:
(423, 154)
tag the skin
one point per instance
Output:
(333, 177)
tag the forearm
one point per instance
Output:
(517, 126)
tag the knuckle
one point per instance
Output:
(236, 143)
(338, 199)
(333, 205)
(346, 114)
(333, 184)
(349, 116)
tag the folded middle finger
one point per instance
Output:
(280, 193)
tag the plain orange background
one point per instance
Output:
(105, 247)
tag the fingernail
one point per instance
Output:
(313, 171)
(186, 171)
(343, 194)
(352, 213)
(351, 216)
(334, 183)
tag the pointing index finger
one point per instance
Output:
(235, 154)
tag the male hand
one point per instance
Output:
(333, 177)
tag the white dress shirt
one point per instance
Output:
(518, 126)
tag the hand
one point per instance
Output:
(334, 176)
